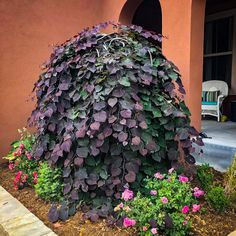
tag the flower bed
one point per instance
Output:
(205, 223)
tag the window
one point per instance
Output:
(218, 50)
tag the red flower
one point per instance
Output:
(35, 175)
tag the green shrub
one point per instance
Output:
(217, 198)
(230, 181)
(205, 176)
(164, 208)
(49, 186)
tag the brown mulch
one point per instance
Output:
(205, 224)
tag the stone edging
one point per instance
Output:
(17, 220)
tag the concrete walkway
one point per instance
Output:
(16, 220)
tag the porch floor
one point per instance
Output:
(218, 151)
(222, 133)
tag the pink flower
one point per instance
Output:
(198, 192)
(127, 194)
(144, 228)
(128, 222)
(154, 230)
(153, 192)
(164, 200)
(183, 179)
(185, 209)
(11, 166)
(196, 207)
(170, 171)
(185, 222)
(21, 146)
(28, 156)
(158, 175)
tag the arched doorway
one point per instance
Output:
(149, 16)
(145, 13)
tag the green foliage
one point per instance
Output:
(217, 198)
(205, 176)
(49, 186)
(168, 217)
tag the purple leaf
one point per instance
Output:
(95, 126)
(78, 161)
(126, 113)
(67, 188)
(119, 92)
(112, 119)
(100, 116)
(112, 101)
(136, 140)
(82, 152)
(130, 177)
(143, 151)
(107, 132)
(53, 214)
(66, 145)
(122, 136)
(146, 79)
(143, 125)
(138, 106)
(131, 123)
(99, 106)
(81, 132)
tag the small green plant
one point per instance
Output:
(217, 198)
(49, 186)
(164, 209)
(205, 176)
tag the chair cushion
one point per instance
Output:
(210, 96)
(208, 103)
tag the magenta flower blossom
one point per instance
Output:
(196, 208)
(185, 209)
(164, 200)
(158, 175)
(127, 195)
(128, 222)
(198, 192)
(183, 179)
(153, 192)
(154, 230)
(11, 166)
(185, 222)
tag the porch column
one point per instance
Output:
(183, 24)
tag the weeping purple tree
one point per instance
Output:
(109, 112)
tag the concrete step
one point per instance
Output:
(17, 220)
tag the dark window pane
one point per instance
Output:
(218, 68)
(218, 35)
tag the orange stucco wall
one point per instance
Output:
(29, 28)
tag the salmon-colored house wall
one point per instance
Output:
(29, 28)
